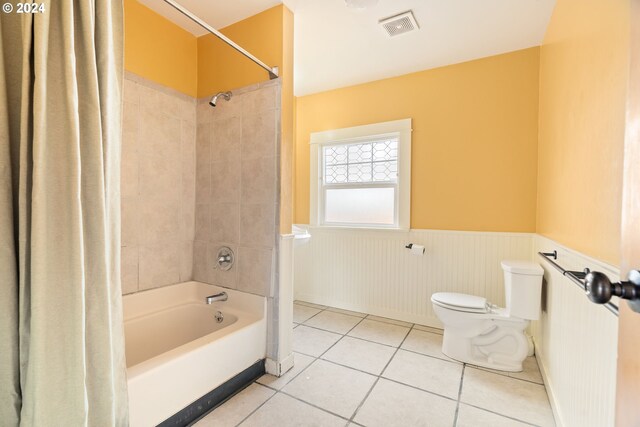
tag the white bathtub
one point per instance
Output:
(177, 351)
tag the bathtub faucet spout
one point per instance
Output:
(222, 296)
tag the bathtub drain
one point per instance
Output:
(219, 317)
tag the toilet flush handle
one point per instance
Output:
(599, 288)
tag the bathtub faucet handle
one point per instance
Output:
(222, 296)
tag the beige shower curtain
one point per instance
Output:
(61, 337)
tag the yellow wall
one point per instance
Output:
(474, 141)
(583, 80)
(221, 68)
(159, 50)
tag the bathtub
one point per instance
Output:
(177, 351)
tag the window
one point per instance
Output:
(363, 176)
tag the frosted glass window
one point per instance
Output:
(360, 206)
(361, 176)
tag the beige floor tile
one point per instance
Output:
(237, 408)
(349, 312)
(333, 322)
(391, 404)
(328, 386)
(300, 362)
(468, 416)
(427, 373)
(359, 354)
(312, 342)
(428, 329)
(530, 371)
(285, 411)
(310, 304)
(387, 320)
(522, 400)
(383, 333)
(302, 312)
(425, 343)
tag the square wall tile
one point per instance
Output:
(130, 220)
(260, 100)
(129, 269)
(203, 222)
(130, 91)
(203, 143)
(186, 260)
(203, 183)
(202, 264)
(259, 135)
(258, 225)
(255, 270)
(226, 140)
(259, 180)
(225, 222)
(159, 265)
(130, 157)
(225, 182)
(159, 220)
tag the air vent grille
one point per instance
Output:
(399, 24)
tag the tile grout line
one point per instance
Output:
(380, 375)
(296, 376)
(397, 349)
(276, 390)
(455, 417)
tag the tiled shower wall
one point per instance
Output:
(158, 185)
(237, 163)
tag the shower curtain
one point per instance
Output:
(61, 334)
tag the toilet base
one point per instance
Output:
(502, 349)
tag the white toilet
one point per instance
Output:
(483, 334)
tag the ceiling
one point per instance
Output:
(337, 46)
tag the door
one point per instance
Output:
(628, 381)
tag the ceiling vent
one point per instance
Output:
(399, 24)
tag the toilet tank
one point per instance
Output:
(523, 288)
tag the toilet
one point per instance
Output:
(483, 334)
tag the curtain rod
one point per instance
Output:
(273, 71)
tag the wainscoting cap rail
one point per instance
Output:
(576, 277)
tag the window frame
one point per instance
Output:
(353, 135)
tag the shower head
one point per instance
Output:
(214, 99)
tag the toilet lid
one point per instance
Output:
(461, 302)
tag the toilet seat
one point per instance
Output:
(461, 302)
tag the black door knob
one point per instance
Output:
(599, 288)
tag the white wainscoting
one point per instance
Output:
(576, 343)
(371, 271)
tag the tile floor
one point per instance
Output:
(353, 369)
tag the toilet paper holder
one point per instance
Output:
(410, 246)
